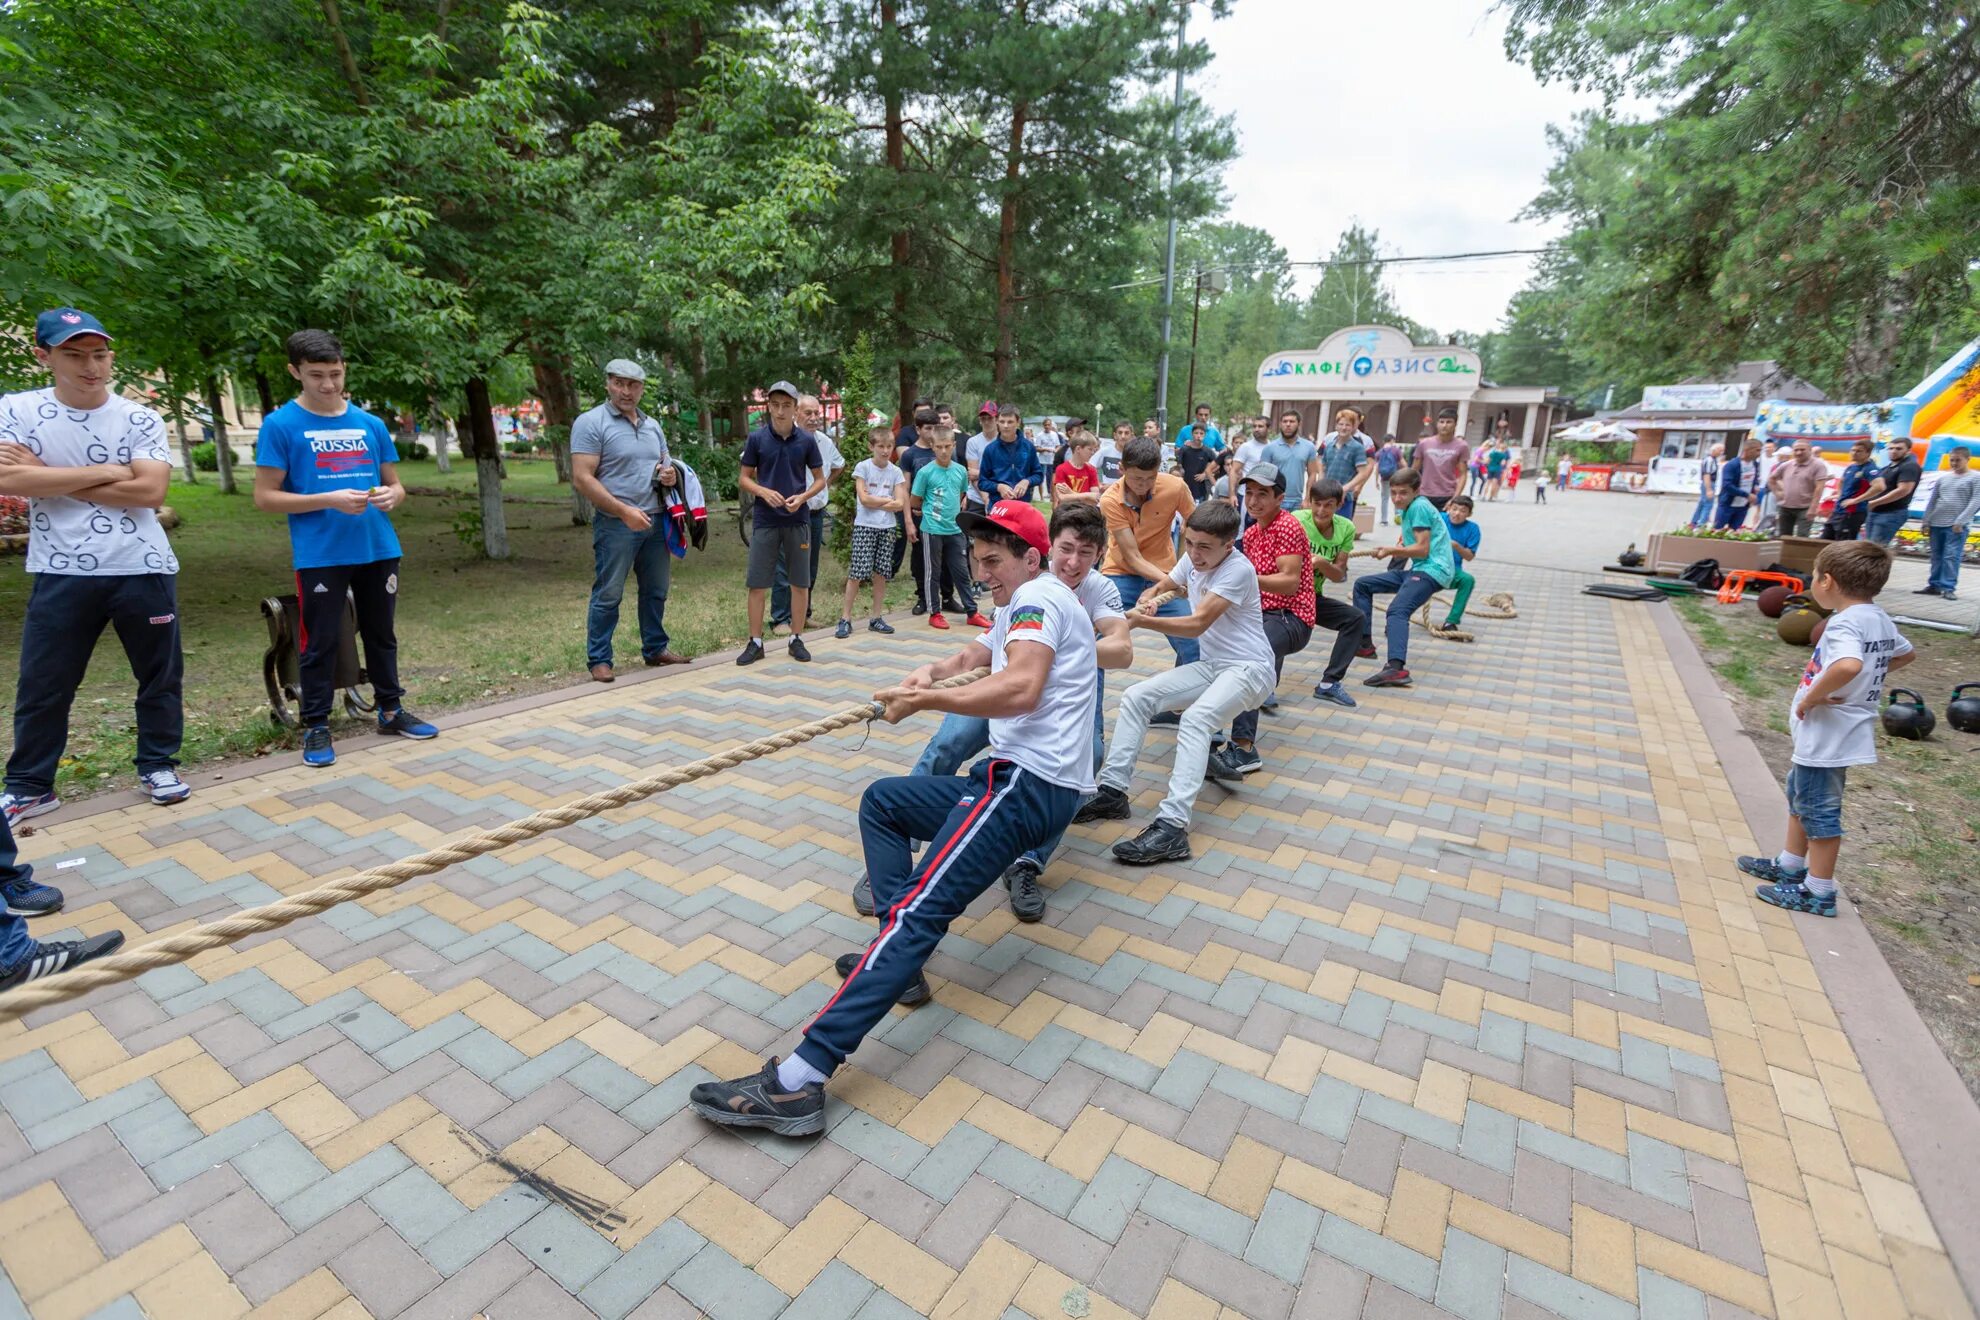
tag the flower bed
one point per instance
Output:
(1734, 550)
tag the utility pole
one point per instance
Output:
(1216, 282)
(1169, 263)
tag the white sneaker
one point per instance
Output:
(17, 809)
(166, 787)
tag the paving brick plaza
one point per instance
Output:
(1461, 1009)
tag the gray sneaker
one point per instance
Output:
(761, 1102)
(863, 896)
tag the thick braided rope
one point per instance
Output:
(252, 921)
(1498, 605)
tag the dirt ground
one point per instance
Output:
(1910, 859)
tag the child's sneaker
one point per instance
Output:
(165, 787)
(1797, 898)
(844, 630)
(317, 748)
(18, 809)
(25, 896)
(879, 626)
(1769, 870)
(936, 620)
(760, 1101)
(402, 723)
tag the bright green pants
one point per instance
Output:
(1462, 584)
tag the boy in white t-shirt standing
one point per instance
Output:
(881, 489)
(1233, 672)
(1833, 719)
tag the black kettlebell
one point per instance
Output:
(1963, 713)
(1911, 719)
(1631, 558)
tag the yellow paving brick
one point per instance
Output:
(1768, 1161)
(1419, 1209)
(1690, 1136)
(1046, 1291)
(1159, 1155)
(661, 1062)
(1604, 1252)
(1929, 1283)
(1461, 1001)
(940, 1110)
(1599, 1119)
(1117, 1035)
(1868, 1290)
(574, 1171)
(878, 1097)
(1088, 1142)
(426, 1012)
(1369, 1077)
(555, 1031)
(1244, 1178)
(37, 1202)
(314, 1114)
(1843, 1217)
(1522, 1104)
(438, 1149)
(194, 1289)
(148, 1064)
(1443, 1090)
(1326, 1191)
(1871, 1145)
(1707, 1273)
(1214, 962)
(1896, 1208)
(1801, 1097)
(308, 1298)
(383, 1126)
(1506, 1229)
(395, 992)
(727, 1059)
(503, 1016)
(1159, 1040)
(127, 1273)
(981, 1008)
(1333, 980)
(1787, 1228)
(899, 1266)
(617, 1041)
(808, 1248)
(1032, 1015)
(1801, 1294)
(250, 1100)
(1594, 1023)
(735, 1225)
(987, 1283)
(197, 1082)
(1845, 1088)
(43, 1254)
(1296, 1064)
(658, 1201)
(1820, 1151)
(1033, 1136)
(87, 1052)
(1179, 1301)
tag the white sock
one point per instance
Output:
(794, 1073)
(1820, 886)
(1788, 861)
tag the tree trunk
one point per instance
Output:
(222, 450)
(438, 427)
(487, 469)
(264, 394)
(1007, 227)
(902, 247)
(344, 53)
(738, 397)
(559, 394)
(1873, 349)
(704, 416)
(177, 407)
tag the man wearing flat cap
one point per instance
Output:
(617, 452)
(782, 466)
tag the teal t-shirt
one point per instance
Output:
(1422, 516)
(940, 490)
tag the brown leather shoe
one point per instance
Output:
(665, 658)
(602, 674)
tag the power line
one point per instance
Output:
(1311, 265)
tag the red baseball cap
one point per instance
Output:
(989, 408)
(1011, 516)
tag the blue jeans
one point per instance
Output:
(1815, 794)
(1881, 526)
(14, 938)
(1730, 517)
(980, 825)
(1411, 589)
(961, 737)
(617, 549)
(1948, 543)
(1131, 588)
(780, 587)
(1701, 513)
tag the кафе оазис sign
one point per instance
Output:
(1376, 361)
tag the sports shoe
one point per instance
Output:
(1270, 707)
(1165, 719)
(1218, 767)
(1164, 841)
(1389, 675)
(1928, 591)
(761, 1102)
(1244, 760)
(976, 620)
(879, 626)
(1106, 804)
(317, 750)
(1335, 693)
(936, 620)
(48, 957)
(1797, 898)
(1770, 871)
(916, 994)
(165, 787)
(402, 723)
(1027, 899)
(751, 653)
(863, 896)
(844, 630)
(920, 608)
(18, 809)
(799, 651)
(27, 897)
(1365, 653)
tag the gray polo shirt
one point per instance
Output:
(627, 454)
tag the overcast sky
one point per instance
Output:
(1405, 115)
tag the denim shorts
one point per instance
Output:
(1814, 794)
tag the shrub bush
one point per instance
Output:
(716, 466)
(206, 457)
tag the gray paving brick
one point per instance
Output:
(197, 1157)
(309, 1250)
(634, 1276)
(1135, 1269)
(952, 1160)
(469, 1292)
(719, 1285)
(537, 1296)
(239, 1229)
(1197, 1216)
(331, 1194)
(1656, 1168)
(1659, 1298)
(1378, 1256)
(279, 1168)
(1283, 1236)
(564, 1247)
(502, 1214)
(1471, 1276)
(1252, 1293)
(836, 1294)
(1562, 1295)
(1111, 1195)
(1032, 1179)
(1574, 1153)
(384, 1273)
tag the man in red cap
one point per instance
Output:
(1039, 700)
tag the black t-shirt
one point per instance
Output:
(1897, 474)
(1193, 463)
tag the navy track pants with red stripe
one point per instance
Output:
(979, 825)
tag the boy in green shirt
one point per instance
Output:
(1331, 538)
(1425, 567)
(938, 497)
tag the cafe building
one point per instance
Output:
(1683, 421)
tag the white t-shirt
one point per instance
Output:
(1844, 732)
(833, 462)
(1566, 466)
(77, 537)
(1238, 635)
(881, 483)
(973, 455)
(1099, 597)
(1054, 740)
(1107, 462)
(1252, 452)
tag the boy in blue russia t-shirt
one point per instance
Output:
(332, 468)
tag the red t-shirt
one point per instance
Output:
(1078, 480)
(1264, 545)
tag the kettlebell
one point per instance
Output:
(1910, 719)
(1963, 713)
(1630, 558)
(1797, 627)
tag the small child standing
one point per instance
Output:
(938, 496)
(1833, 719)
(1077, 481)
(1465, 538)
(881, 488)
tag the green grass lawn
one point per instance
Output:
(470, 630)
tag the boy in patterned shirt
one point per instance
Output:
(1276, 545)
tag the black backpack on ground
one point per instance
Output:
(1704, 574)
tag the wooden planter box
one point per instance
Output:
(1670, 551)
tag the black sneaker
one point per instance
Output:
(1927, 591)
(916, 994)
(863, 896)
(1164, 841)
(761, 1102)
(1219, 768)
(751, 653)
(1167, 719)
(1389, 675)
(844, 630)
(879, 626)
(1027, 899)
(1270, 708)
(24, 896)
(1244, 760)
(1770, 870)
(799, 651)
(48, 957)
(1107, 804)
(920, 608)
(402, 723)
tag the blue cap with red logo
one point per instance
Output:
(63, 324)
